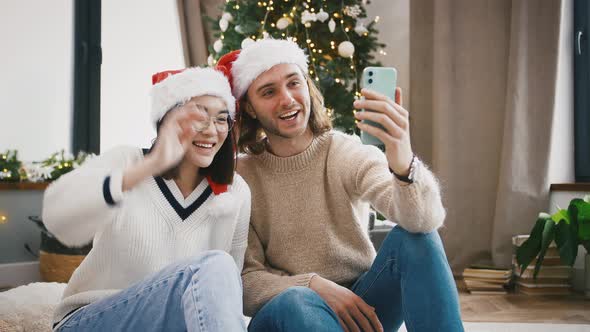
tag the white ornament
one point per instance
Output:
(239, 29)
(360, 29)
(346, 49)
(223, 24)
(332, 25)
(210, 60)
(4, 175)
(46, 171)
(283, 23)
(36, 172)
(307, 17)
(227, 16)
(247, 42)
(352, 11)
(322, 16)
(218, 45)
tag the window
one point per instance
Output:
(87, 62)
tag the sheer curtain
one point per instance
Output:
(488, 100)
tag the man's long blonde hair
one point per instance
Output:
(251, 135)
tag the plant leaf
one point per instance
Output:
(583, 208)
(584, 230)
(547, 237)
(583, 218)
(566, 241)
(560, 215)
(530, 248)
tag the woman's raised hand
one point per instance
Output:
(176, 135)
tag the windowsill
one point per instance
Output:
(570, 187)
(23, 186)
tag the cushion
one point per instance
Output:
(29, 307)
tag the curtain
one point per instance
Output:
(485, 99)
(195, 29)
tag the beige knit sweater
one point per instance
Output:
(310, 213)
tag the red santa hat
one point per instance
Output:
(246, 65)
(178, 86)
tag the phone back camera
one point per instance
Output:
(370, 80)
(370, 73)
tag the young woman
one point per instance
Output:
(169, 225)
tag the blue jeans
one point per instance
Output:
(203, 293)
(410, 281)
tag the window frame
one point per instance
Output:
(87, 67)
(581, 91)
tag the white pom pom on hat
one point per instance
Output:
(259, 57)
(178, 86)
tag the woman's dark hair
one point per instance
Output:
(222, 167)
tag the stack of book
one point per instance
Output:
(486, 279)
(554, 278)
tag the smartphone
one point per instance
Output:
(382, 80)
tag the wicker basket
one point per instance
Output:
(58, 267)
(57, 261)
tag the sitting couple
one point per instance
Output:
(180, 239)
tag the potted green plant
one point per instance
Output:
(569, 228)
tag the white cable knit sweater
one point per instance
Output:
(140, 231)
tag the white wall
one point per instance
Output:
(561, 162)
(36, 76)
(138, 39)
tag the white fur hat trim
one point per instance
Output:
(259, 57)
(191, 82)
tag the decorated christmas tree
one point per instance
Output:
(338, 37)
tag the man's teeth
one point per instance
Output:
(203, 145)
(288, 115)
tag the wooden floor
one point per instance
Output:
(573, 309)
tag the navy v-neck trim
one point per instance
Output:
(183, 213)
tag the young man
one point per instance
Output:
(310, 265)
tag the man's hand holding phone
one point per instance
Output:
(396, 122)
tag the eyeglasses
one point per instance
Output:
(222, 122)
